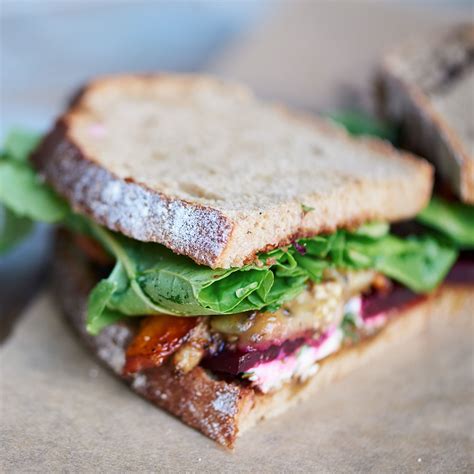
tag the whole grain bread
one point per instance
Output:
(427, 86)
(207, 170)
(219, 409)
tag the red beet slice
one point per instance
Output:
(238, 361)
(463, 269)
(376, 303)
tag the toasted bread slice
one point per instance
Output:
(427, 85)
(205, 169)
(219, 409)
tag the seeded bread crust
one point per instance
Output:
(224, 410)
(210, 172)
(426, 85)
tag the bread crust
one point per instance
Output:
(219, 409)
(424, 130)
(210, 235)
(82, 182)
(208, 405)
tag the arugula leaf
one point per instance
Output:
(453, 219)
(13, 229)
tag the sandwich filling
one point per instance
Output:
(263, 324)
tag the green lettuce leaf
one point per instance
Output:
(452, 218)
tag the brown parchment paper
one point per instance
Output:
(412, 410)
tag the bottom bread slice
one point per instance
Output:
(220, 409)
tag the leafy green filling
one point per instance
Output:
(148, 278)
(453, 219)
(13, 229)
(13, 226)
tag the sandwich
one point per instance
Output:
(222, 255)
(426, 89)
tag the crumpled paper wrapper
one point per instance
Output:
(411, 410)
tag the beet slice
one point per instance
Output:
(463, 270)
(240, 360)
(376, 303)
(237, 361)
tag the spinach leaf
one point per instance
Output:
(23, 195)
(452, 218)
(13, 229)
(22, 191)
(101, 315)
(420, 263)
(150, 279)
(19, 144)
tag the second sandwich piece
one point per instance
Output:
(426, 87)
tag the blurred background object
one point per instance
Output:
(316, 55)
(48, 48)
(321, 56)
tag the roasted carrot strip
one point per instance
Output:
(157, 338)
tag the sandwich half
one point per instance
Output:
(426, 88)
(222, 255)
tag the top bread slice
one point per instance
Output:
(202, 167)
(427, 85)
